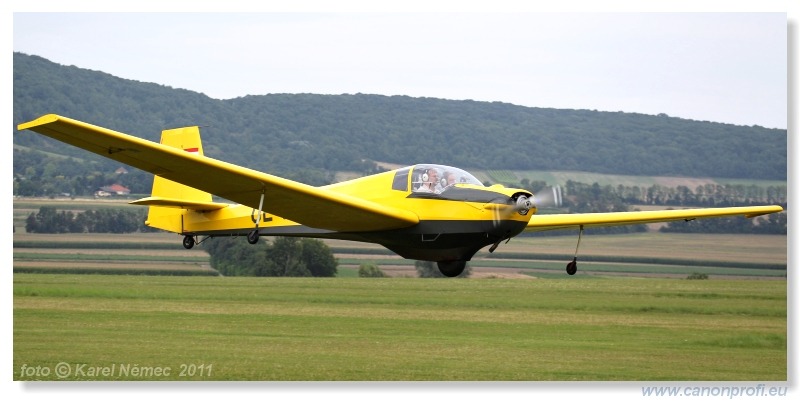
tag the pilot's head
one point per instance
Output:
(433, 175)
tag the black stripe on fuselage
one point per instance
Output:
(429, 240)
(455, 193)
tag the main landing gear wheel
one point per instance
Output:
(452, 268)
(188, 242)
(252, 237)
(572, 267)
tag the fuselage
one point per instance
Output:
(457, 214)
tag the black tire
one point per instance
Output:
(572, 267)
(188, 242)
(252, 237)
(452, 268)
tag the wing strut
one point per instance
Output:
(572, 267)
(252, 237)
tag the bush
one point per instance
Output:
(697, 276)
(370, 270)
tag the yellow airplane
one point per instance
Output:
(422, 212)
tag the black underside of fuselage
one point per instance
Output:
(432, 240)
(447, 240)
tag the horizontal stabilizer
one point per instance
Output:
(178, 203)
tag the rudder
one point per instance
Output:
(170, 218)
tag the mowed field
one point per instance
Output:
(98, 327)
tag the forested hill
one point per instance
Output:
(286, 132)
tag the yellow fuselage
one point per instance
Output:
(453, 224)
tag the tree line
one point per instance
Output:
(280, 133)
(709, 195)
(37, 174)
(49, 220)
(770, 224)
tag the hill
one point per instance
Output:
(283, 133)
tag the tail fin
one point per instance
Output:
(187, 139)
(169, 197)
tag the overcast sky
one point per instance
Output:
(720, 67)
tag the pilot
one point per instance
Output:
(429, 181)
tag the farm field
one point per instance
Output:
(152, 253)
(96, 327)
(647, 254)
(641, 254)
(561, 178)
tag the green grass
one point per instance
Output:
(576, 328)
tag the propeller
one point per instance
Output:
(549, 196)
(522, 203)
(502, 209)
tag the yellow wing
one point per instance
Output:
(546, 222)
(304, 204)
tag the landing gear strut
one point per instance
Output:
(252, 236)
(572, 267)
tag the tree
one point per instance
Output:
(283, 257)
(318, 258)
(370, 270)
(286, 254)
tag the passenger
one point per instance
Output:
(450, 179)
(429, 180)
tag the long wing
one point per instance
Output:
(547, 222)
(304, 204)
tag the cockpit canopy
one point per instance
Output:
(432, 178)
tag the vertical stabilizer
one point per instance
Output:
(167, 218)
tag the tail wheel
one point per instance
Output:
(188, 242)
(252, 237)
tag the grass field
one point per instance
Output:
(609, 322)
(97, 327)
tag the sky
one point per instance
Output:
(721, 67)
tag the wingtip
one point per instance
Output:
(769, 210)
(42, 120)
